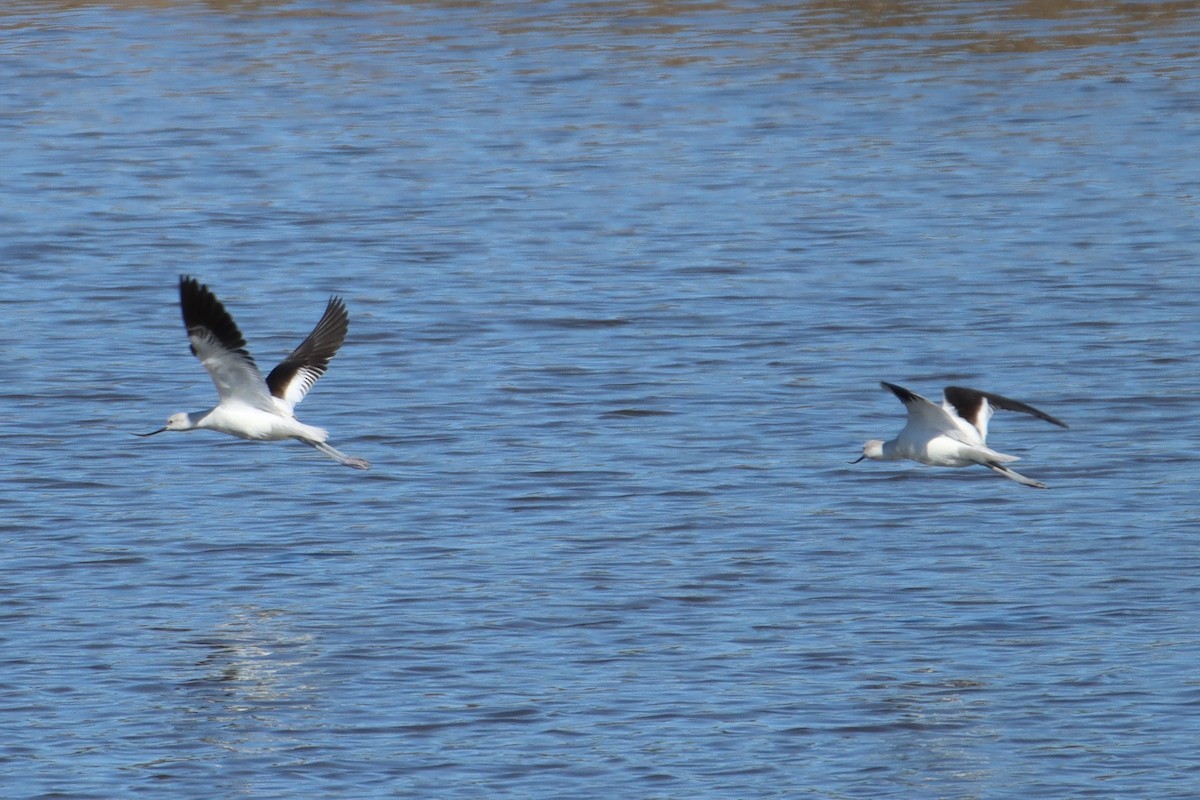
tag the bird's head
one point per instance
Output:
(175, 422)
(872, 449)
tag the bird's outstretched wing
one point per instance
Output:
(969, 404)
(217, 342)
(296, 374)
(922, 413)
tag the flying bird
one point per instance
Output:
(953, 434)
(250, 407)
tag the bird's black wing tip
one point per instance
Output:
(904, 394)
(1008, 404)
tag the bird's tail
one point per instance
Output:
(988, 456)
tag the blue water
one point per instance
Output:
(623, 281)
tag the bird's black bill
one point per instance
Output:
(855, 461)
(151, 433)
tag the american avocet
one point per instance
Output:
(250, 407)
(953, 434)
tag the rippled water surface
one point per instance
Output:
(623, 280)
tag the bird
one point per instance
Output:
(953, 434)
(250, 407)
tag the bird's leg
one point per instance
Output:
(1015, 476)
(338, 455)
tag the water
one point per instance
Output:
(622, 285)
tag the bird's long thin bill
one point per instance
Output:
(151, 433)
(855, 461)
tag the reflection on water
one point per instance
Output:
(248, 659)
(933, 28)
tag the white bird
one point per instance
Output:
(953, 434)
(250, 407)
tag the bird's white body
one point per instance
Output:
(953, 434)
(251, 407)
(247, 422)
